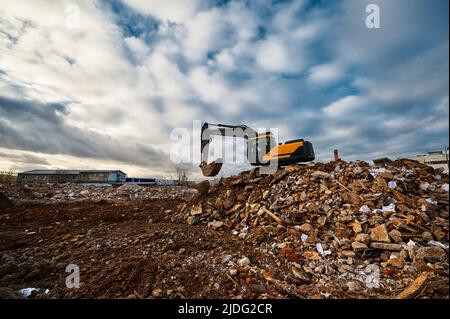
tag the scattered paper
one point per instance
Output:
(364, 209)
(410, 244)
(375, 171)
(319, 248)
(392, 185)
(372, 278)
(389, 208)
(438, 244)
(321, 251)
(445, 187)
(304, 237)
(408, 171)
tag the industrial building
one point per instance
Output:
(73, 176)
(437, 159)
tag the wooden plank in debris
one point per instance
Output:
(274, 217)
(386, 246)
(416, 287)
(247, 213)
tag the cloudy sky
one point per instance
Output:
(102, 84)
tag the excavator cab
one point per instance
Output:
(261, 148)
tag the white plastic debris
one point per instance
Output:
(407, 171)
(438, 244)
(445, 187)
(244, 261)
(375, 171)
(372, 279)
(26, 292)
(410, 246)
(424, 186)
(392, 185)
(321, 251)
(410, 243)
(389, 208)
(319, 248)
(304, 237)
(431, 201)
(364, 209)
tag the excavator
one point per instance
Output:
(261, 149)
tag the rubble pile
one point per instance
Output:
(334, 230)
(351, 226)
(79, 192)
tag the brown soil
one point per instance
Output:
(123, 250)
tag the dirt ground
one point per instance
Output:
(124, 250)
(143, 249)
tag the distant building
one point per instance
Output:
(167, 182)
(159, 182)
(142, 181)
(436, 160)
(153, 181)
(73, 176)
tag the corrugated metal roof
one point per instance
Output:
(100, 171)
(51, 172)
(68, 172)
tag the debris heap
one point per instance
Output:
(371, 227)
(80, 192)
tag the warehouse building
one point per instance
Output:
(438, 159)
(73, 176)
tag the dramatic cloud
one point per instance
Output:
(345, 106)
(109, 93)
(325, 73)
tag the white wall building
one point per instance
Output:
(438, 159)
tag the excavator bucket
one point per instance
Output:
(211, 169)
